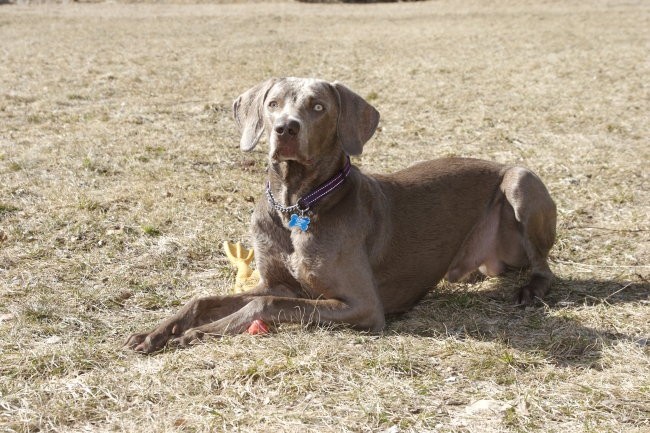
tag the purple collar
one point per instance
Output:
(307, 202)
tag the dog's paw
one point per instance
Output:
(189, 337)
(526, 296)
(149, 342)
(146, 342)
(135, 340)
(533, 291)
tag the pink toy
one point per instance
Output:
(258, 327)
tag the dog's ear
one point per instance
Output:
(357, 120)
(248, 111)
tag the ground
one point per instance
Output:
(120, 177)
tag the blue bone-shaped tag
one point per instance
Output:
(302, 222)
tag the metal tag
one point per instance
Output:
(302, 222)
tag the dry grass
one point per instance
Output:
(120, 177)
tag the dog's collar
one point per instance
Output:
(305, 203)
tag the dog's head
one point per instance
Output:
(305, 118)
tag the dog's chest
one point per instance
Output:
(305, 263)
(296, 267)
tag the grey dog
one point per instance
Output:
(335, 245)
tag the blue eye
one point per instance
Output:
(273, 104)
(318, 107)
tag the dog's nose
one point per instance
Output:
(291, 127)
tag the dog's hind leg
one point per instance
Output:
(527, 230)
(479, 249)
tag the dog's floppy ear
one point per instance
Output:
(357, 120)
(248, 112)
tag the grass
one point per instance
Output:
(120, 177)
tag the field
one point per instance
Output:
(120, 177)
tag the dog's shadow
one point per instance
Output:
(567, 329)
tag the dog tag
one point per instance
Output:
(302, 222)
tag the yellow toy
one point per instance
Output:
(241, 258)
(245, 279)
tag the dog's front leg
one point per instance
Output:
(198, 312)
(194, 313)
(344, 295)
(365, 315)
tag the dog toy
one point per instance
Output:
(241, 258)
(245, 279)
(258, 327)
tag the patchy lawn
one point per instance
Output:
(120, 177)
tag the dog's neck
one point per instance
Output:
(290, 180)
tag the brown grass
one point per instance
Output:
(120, 177)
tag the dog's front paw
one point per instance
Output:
(153, 341)
(189, 337)
(146, 342)
(135, 340)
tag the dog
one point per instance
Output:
(336, 246)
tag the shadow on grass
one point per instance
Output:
(554, 330)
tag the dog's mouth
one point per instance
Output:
(289, 151)
(280, 156)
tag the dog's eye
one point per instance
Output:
(318, 107)
(273, 104)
